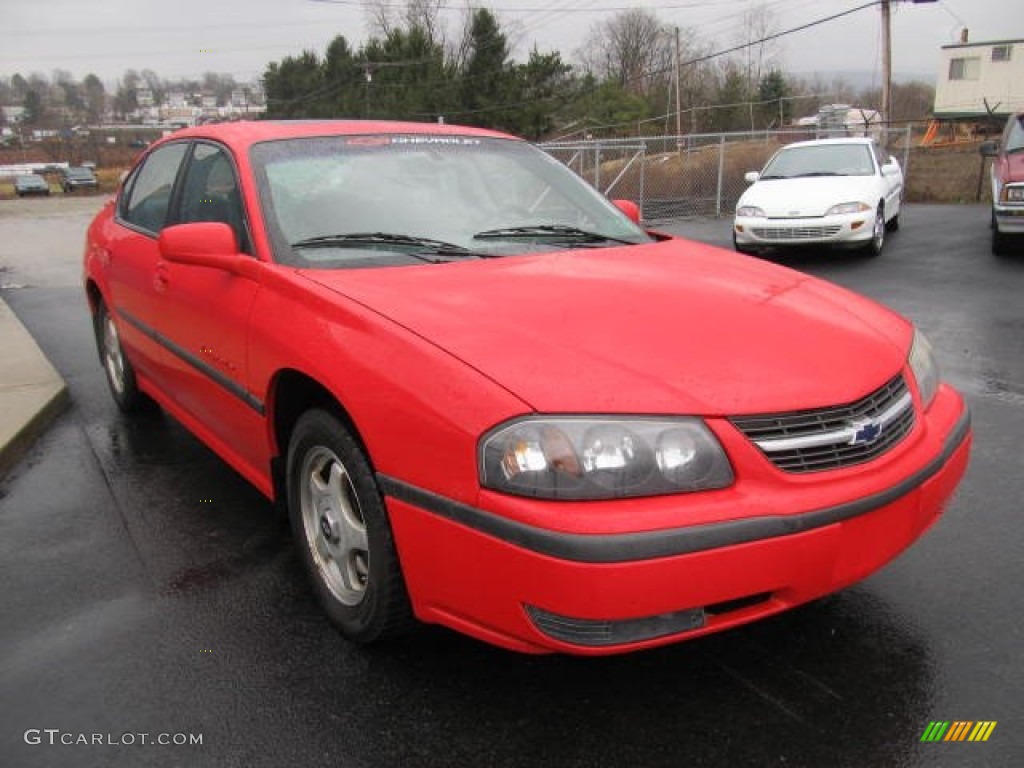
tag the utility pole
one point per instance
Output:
(886, 60)
(679, 104)
(887, 55)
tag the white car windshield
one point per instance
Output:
(357, 201)
(820, 160)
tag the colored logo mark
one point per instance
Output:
(959, 730)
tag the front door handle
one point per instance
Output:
(161, 277)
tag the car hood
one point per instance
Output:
(790, 198)
(1015, 167)
(668, 328)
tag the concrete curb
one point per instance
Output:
(32, 393)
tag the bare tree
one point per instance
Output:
(384, 16)
(759, 55)
(632, 48)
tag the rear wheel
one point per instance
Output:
(118, 370)
(341, 528)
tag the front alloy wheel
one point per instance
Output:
(877, 233)
(341, 528)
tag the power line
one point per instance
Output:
(519, 9)
(662, 70)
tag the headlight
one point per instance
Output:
(836, 210)
(925, 368)
(602, 457)
(1013, 194)
(749, 211)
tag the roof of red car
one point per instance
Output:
(250, 132)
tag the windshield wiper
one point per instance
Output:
(357, 239)
(816, 173)
(559, 231)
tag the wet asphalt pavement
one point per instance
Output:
(147, 589)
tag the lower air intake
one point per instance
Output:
(597, 632)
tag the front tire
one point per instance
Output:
(118, 370)
(874, 247)
(1000, 242)
(341, 529)
(742, 248)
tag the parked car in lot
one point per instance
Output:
(78, 177)
(30, 184)
(489, 399)
(829, 192)
(1007, 183)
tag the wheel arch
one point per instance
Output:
(292, 393)
(93, 295)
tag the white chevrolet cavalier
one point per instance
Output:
(829, 192)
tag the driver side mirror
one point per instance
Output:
(209, 244)
(989, 149)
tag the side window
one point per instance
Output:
(210, 191)
(879, 157)
(149, 195)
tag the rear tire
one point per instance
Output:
(118, 370)
(341, 528)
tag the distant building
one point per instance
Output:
(842, 119)
(13, 114)
(972, 75)
(176, 100)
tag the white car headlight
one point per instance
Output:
(750, 211)
(926, 369)
(602, 457)
(836, 210)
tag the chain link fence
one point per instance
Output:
(695, 175)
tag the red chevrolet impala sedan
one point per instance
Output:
(489, 399)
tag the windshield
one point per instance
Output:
(358, 201)
(1015, 134)
(820, 160)
(79, 173)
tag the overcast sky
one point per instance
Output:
(240, 37)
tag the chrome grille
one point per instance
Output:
(796, 233)
(839, 436)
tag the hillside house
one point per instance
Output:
(972, 75)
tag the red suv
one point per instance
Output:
(1007, 182)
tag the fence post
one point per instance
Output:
(643, 176)
(721, 171)
(597, 166)
(908, 138)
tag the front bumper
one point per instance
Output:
(498, 575)
(851, 230)
(1009, 219)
